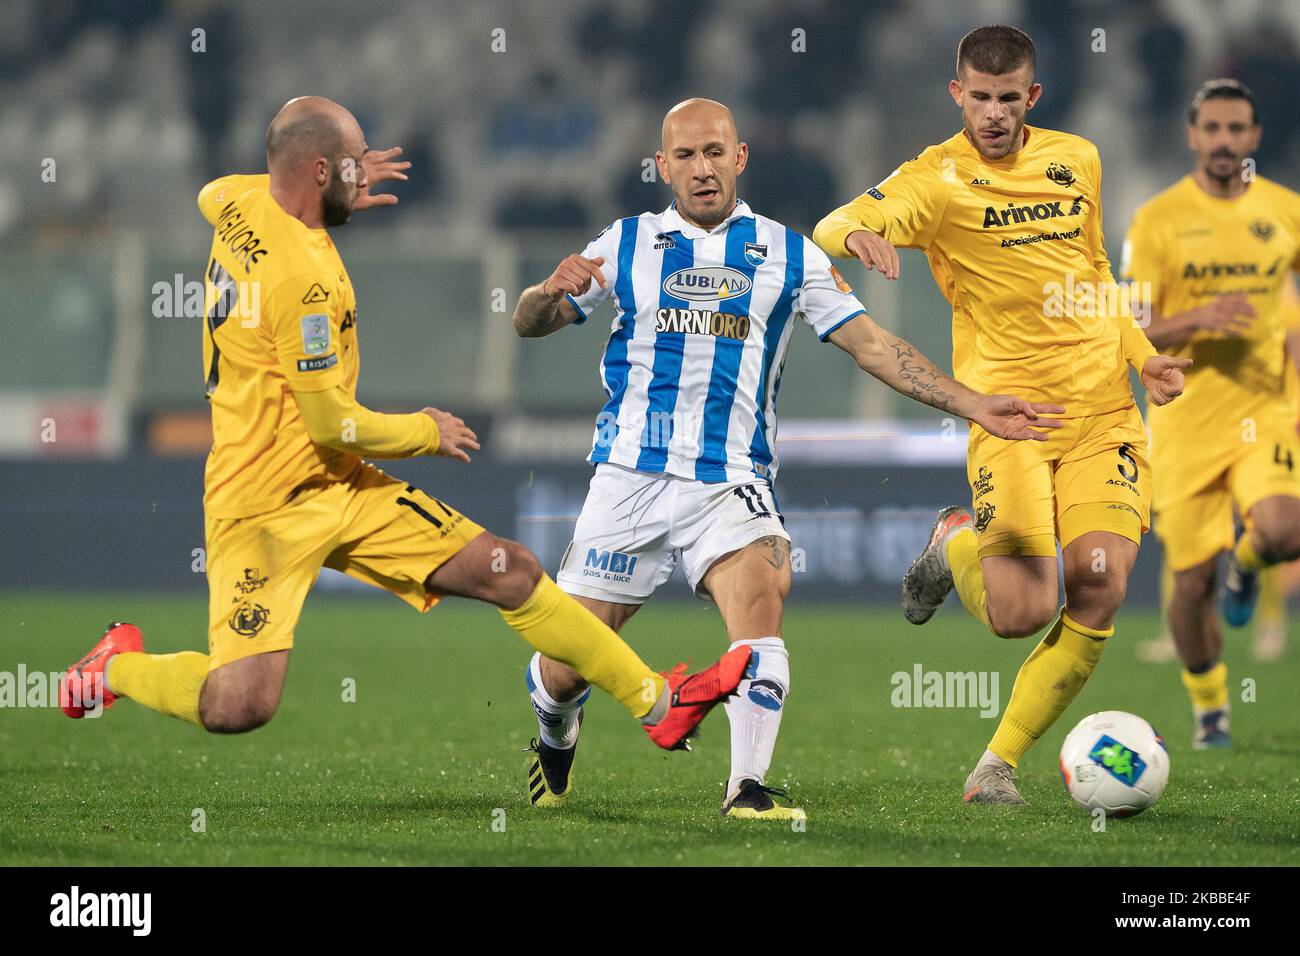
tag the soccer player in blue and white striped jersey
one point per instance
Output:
(707, 295)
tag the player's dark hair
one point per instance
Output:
(1222, 89)
(995, 50)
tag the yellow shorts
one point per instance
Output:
(1090, 475)
(1195, 528)
(370, 525)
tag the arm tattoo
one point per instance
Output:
(535, 312)
(901, 349)
(920, 379)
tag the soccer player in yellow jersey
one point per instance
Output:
(1217, 250)
(288, 490)
(1009, 216)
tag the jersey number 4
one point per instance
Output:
(1278, 458)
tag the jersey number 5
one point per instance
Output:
(1129, 474)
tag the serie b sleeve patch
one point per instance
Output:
(315, 333)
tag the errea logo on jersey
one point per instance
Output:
(706, 284)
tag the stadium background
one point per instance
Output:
(111, 119)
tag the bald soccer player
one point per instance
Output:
(287, 489)
(705, 295)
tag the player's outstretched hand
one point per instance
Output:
(456, 439)
(876, 252)
(1163, 379)
(381, 165)
(1006, 416)
(573, 277)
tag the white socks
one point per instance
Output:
(755, 711)
(557, 720)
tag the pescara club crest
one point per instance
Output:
(755, 253)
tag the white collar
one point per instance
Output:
(673, 221)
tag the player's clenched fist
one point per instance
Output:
(876, 252)
(1163, 378)
(573, 277)
(456, 439)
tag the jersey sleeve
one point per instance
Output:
(305, 319)
(372, 434)
(218, 192)
(604, 245)
(906, 208)
(1142, 260)
(1136, 346)
(826, 300)
(1290, 305)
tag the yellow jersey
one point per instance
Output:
(1192, 247)
(1016, 247)
(279, 316)
(1291, 314)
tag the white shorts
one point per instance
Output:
(634, 524)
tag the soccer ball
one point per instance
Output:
(1114, 761)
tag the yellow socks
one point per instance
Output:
(565, 631)
(1246, 555)
(168, 683)
(967, 575)
(1209, 689)
(1048, 681)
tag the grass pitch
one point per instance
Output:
(425, 767)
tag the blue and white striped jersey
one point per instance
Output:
(703, 319)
